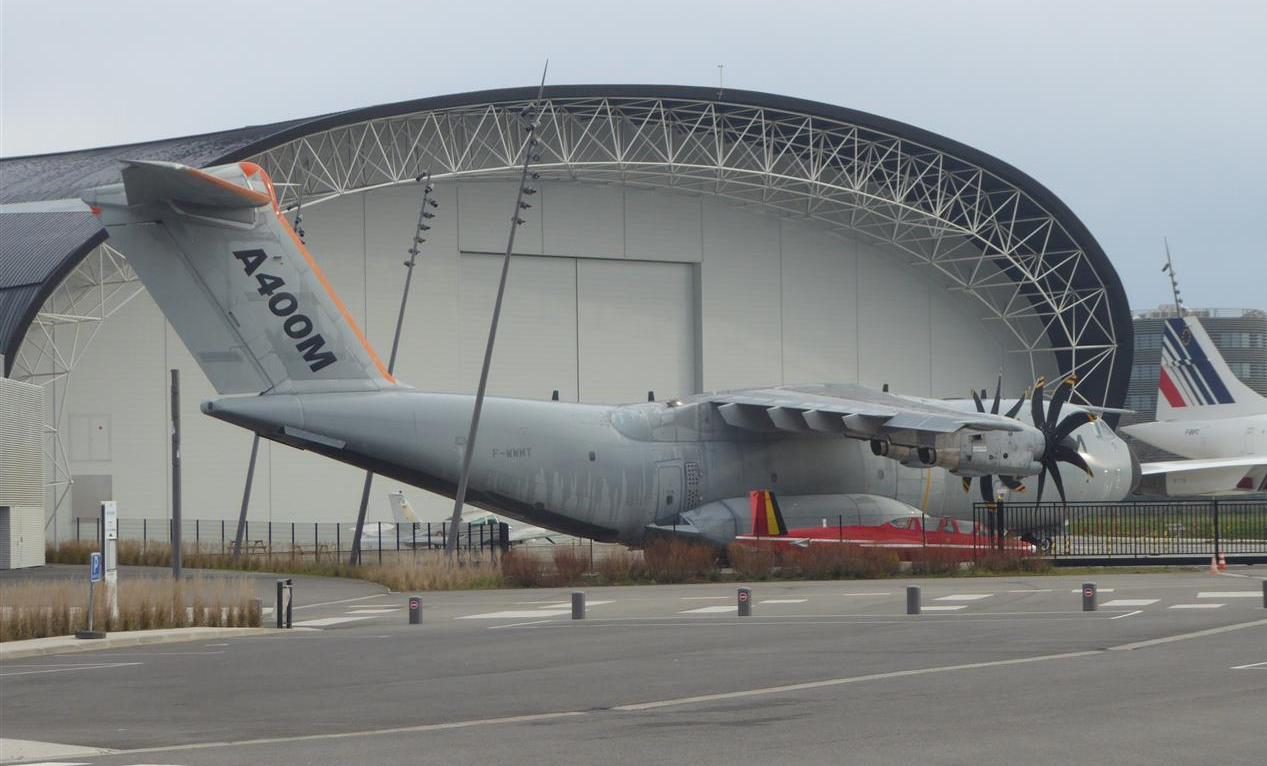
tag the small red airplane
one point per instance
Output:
(904, 533)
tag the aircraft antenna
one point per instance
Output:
(425, 214)
(532, 120)
(1174, 281)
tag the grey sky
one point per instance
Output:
(1148, 118)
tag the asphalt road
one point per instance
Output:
(1006, 670)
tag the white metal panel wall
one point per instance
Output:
(21, 444)
(485, 209)
(536, 340)
(636, 325)
(740, 298)
(820, 295)
(583, 220)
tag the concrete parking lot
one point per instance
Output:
(1171, 669)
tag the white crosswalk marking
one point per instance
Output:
(943, 608)
(1195, 606)
(964, 597)
(710, 610)
(1131, 602)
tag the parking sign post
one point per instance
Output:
(95, 571)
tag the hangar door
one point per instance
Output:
(602, 331)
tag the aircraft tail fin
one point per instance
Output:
(234, 280)
(767, 519)
(402, 511)
(1195, 381)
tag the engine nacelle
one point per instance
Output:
(978, 453)
(971, 453)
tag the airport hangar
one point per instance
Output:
(684, 239)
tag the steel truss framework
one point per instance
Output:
(101, 284)
(982, 235)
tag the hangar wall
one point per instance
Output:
(620, 291)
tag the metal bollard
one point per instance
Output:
(745, 602)
(1088, 597)
(283, 608)
(912, 599)
(279, 604)
(578, 605)
(415, 610)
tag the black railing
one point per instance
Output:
(316, 539)
(1188, 530)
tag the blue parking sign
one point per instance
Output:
(94, 567)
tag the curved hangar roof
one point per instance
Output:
(990, 230)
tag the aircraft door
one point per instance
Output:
(669, 494)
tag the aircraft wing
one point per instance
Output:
(850, 410)
(1203, 464)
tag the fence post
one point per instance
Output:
(1218, 549)
(292, 539)
(316, 542)
(221, 537)
(380, 542)
(338, 541)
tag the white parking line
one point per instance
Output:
(874, 593)
(710, 610)
(1229, 594)
(1036, 590)
(1254, 666)
(1128, 614)
(325, 622)
(943, 608)
(1195, 606)
(382, 610)
(964, 597)
(30, 670)
(1131, 602)
(1097, 590)
(516, 614)
(704, 598)
(783, 601)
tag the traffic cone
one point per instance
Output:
(1214, 565)
(1222, 563)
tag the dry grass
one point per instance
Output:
(679, 561)
(834, 562)
(935, 561)
(618, 567)
(752, 562)
(34, 609)
(1010, 562)
(521, 569)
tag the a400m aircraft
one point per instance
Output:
(254, 309)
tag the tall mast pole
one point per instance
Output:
(459, 499)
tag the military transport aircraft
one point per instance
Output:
(256, 312)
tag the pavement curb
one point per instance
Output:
(39, 647)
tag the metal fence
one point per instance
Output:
(316, 539)
(1163, 531)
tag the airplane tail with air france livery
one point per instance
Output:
(1195, 382)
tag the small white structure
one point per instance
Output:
(21, 475)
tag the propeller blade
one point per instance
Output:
(1011, 413)
(1055, 478)
(1036, 406)
(987, 488)
(1070, 424)
(998, 394)
(1071, 456)
(967, 484)
(977, 400)
(1058, 400)
(1012, 483)
(1042, 478)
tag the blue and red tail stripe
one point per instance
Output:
(1188, 378)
